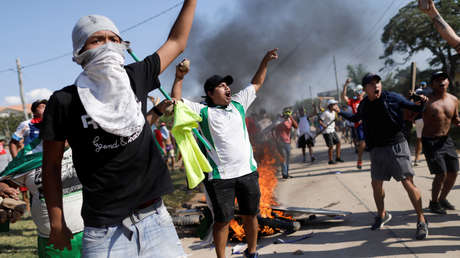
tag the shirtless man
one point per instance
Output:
(440, 152)
(444, 29)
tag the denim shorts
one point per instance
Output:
(154, 236)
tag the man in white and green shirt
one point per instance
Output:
(234, 168)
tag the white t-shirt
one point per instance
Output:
(304, 127)
(327, 117)
(72, 197)
(232, 153)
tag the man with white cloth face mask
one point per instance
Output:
(102, 116)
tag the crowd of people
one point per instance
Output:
(100, 159)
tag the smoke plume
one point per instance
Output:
(306, 32)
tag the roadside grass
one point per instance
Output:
(21, 240)
(181, 192)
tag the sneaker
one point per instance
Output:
(248, 255)
(415, 163)
(359, 164)
(446, 205)
(286, 177)
(331, 162)
(422, 230)
(379, 222)
(339, 160)
(435, 207)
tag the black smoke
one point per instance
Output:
(306, 32)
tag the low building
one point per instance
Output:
(7, 111)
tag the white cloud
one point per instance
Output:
(30, 96)
(12, 100)
(37, 94)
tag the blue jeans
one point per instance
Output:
(285, 150)
(154, 236)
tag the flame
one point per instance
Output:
(238, 230)
(268, 162)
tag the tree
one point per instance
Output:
(411, 31)
(9, 124)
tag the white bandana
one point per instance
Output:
(105, 90)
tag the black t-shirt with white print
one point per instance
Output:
(118, 174)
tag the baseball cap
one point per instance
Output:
(439, 74)
(332, 102)
(368, 78)
(2, 138)
(215, 80)
(37, 103)
(423, 83)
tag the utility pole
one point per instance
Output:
(337, 81)
(21, 89)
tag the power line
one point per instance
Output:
(151, 18)
(51, 59)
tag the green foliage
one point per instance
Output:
(411, 31)
(9, 124)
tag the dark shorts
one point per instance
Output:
(222, 193)
(331, 139)
(441, 154)
(302, 142)
(391, 161)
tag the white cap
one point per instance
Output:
(332, 102)
(359, 87)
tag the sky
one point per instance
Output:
(36, 31)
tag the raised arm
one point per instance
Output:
(60, 235)
(181, 70)
(344, 91)
(447, 33)
(261, 73)
(178, 36)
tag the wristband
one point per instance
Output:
(157, 111)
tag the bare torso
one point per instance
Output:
(440, 112)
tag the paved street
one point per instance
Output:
(343, 187)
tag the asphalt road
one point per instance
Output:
(344, 187)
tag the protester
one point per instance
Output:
(5, 156)
(283, 139)
(306, 138)
(444, 29)
(168, 142)
(234, 168)
(28, 130)
(25, 133)
(358, 95)
(72, 203)
(122, 173)
(380, 113)
(418, 120)
(439, 149)
(327, 121)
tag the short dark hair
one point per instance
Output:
(37, 103)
